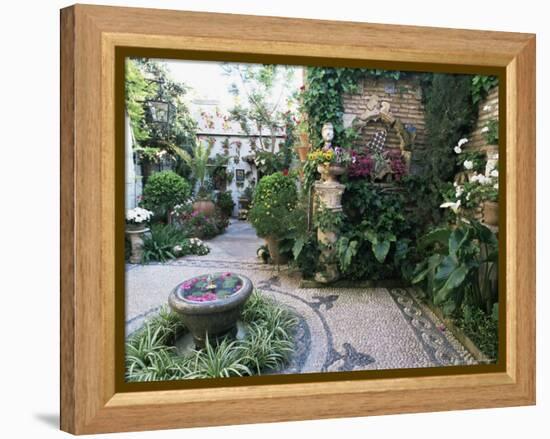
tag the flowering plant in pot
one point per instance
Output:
(480, 190)
(137, 218)
(330, 162)
(302, 130)
(275, 197)
(136, 222)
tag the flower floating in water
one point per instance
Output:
(206, 297)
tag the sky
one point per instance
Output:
(207, 80)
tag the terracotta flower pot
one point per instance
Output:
(302, 151)
(490, 213)
(204, 206)
(273, 247)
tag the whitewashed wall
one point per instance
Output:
(214, 125)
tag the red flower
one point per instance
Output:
(285, 172)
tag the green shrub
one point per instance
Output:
(481, 328)
(225, 203)
(450, 115)
(458, 266)
(267, 346)
(163, 191)
(375, 233)
(275, 197)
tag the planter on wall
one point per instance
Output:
(490, 213)
(302, 151)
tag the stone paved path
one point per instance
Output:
(340, 329)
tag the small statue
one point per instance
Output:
(327, 132)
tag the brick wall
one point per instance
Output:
(487, 110)
(405, 99)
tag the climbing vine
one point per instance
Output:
(481, 85)
(322, 98)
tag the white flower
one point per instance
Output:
(138, 215)
(485, 180)
(462, 141)
(474, 178)
(177, 248)
(453, 206)
(468, 196)
(459, 191)
(494, 173)
(485, 129)
(468, 164)
(496, 186)
(487, 108)
(458, 149)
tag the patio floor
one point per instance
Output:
(340, 328)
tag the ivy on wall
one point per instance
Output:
(323, 98)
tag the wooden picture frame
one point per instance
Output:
(91, 402)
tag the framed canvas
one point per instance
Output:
(96, 44)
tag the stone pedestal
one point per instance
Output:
(136, 243)
(330, 198)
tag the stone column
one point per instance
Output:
(330, 193)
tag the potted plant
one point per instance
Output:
(330, 162)
(163, 191)
(198, 162)
(303, 147)
(136, 226)
(274, 199)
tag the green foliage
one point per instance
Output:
(225, 203)
(148, 80)
(477, 158)
(480, 86)
(327, 220)
(275, 197)
(449, 115)
(197, 162)
(151, 355)
(458, 266)
(138, 90)
(166, 242)
(375, 234)
(163, 191)
(491, 135)
(481, 328)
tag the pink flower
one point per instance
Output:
(228, 274)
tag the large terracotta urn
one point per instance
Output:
(274, 252)
(206, 207)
